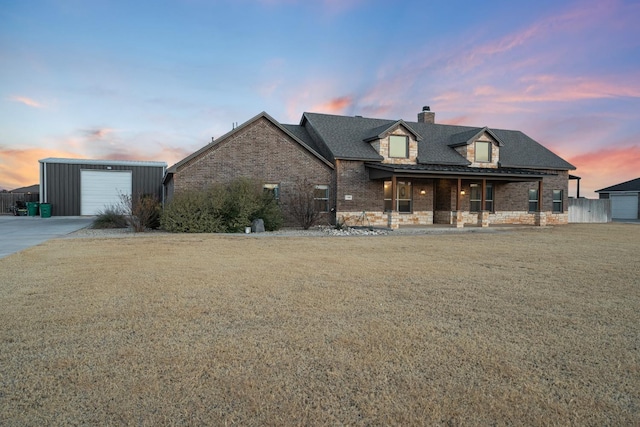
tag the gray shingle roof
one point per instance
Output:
(633, 185)
(345, 137)
(382, 131)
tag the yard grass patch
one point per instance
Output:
(528, 327)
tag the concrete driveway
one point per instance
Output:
(20, 232)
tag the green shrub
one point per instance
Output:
(219, 209)
(192, 212)
(270, 212)
(111, 217)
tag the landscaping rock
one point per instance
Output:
(257, 226)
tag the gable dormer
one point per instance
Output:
(481, 147)
(396, 143)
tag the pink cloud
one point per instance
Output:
(19, 167)
(26, 101)
(333, 106)
(563, 89)
(608, 166)
(99, 133)
(573, 20)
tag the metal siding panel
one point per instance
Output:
(63, 183)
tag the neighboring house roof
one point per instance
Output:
(300, 135)
(30, 189)
(347, 137)
(633, 185)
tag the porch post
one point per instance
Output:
(393, 193)
(458, 219)
(540, 198)
(484, 195)
(541, 218)
(392, 216)
(483, 215)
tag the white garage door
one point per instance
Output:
(101, 189)
(624, 206)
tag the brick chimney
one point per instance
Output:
(426, 115)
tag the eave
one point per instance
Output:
(385, 171)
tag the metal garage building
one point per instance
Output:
(85, 187)
(625, 199)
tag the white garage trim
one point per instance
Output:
(624, 206)
(100, 189)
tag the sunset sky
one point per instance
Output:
(155, 80)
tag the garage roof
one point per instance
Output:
(102, 162)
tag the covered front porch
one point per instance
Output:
(420, 195)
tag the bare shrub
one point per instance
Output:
(301, 204)
(142, 211)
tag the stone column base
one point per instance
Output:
(458, 219)
(541, 219)
(393, 220)
(483, 218)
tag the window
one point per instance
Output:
(557, 201)
(475, 197)
(404, 197)
(476, 200)
(387, 196)
(321, 197)
(483, 151)
(398, 146)
(273, 189)
(533, 200)
(488, 198)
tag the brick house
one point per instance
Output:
(390, 172)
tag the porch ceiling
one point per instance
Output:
(387, 171)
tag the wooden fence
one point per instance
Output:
(589, 210)
(8, 200)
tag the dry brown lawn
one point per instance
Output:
(526, 327)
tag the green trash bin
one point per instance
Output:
(45, 210)
(32, 208)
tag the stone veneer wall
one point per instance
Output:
(382, 147)
(381, 219)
